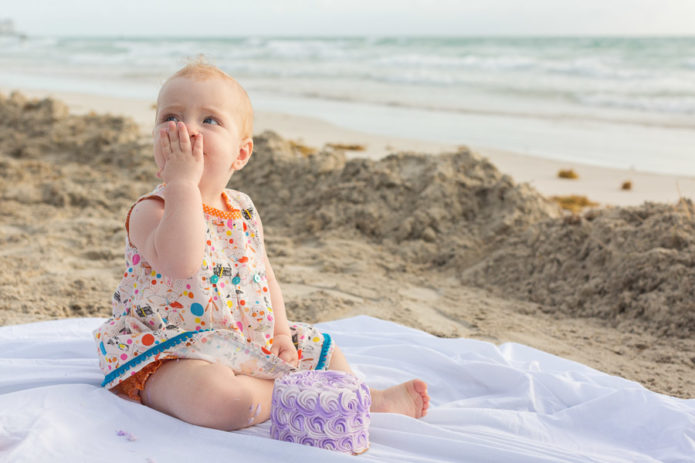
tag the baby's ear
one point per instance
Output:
(245, 151)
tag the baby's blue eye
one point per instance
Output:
(211, 120)
(170, 117)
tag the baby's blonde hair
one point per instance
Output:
(201, 70)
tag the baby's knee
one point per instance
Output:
(223, 405)
(236, 408)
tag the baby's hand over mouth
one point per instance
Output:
(182, 155)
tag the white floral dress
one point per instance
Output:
(221, 314)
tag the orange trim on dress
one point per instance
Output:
(232, 213)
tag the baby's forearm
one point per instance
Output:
(179, 239)
(282, 326)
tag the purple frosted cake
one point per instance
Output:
(327, 409)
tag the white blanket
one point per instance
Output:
(489, 404)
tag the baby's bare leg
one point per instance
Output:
(208, 394)
(409, 398)
(339, 362)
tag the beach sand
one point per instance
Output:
(463, 243)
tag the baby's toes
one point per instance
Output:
(421, 388)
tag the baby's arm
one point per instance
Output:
(171, 234)
(282, 340)
(282, 326)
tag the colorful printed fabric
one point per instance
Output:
(221, 314)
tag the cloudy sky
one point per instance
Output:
(352, 17)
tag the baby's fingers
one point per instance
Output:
(164, 143)
(184, 139)
(289, 356)
(172, 136)
(198, 146)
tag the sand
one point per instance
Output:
(444, 242)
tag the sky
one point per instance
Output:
(352, 17)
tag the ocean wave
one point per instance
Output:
(598, 68)
(419, 60)
(662, 104)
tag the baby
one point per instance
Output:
(199, 329)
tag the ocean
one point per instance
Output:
(619, 102)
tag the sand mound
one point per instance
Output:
(429, 210)
(43, 129)
(622, 265)
(65, 184)
(457, 213)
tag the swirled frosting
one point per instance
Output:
(327, 409)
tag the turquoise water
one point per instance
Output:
(644, 74)
(642, 82)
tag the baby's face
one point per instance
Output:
(207, 107)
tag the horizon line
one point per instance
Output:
(371, 36)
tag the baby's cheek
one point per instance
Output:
(158, 155)
(158, 161)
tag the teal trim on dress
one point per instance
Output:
(178, 339)
(327, 341)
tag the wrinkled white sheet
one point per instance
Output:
(507, 403)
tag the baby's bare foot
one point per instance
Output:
(409, 398)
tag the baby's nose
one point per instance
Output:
(192, 131)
